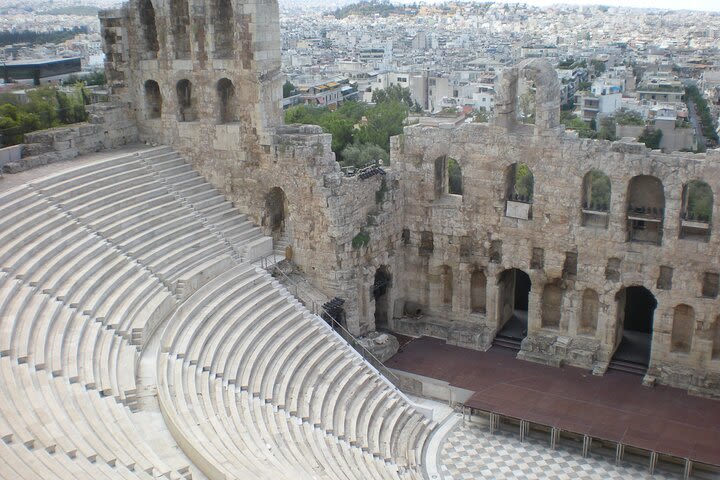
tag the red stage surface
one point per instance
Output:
(613, 407)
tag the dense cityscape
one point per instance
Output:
(622, 69)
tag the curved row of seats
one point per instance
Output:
(219, 215)
(89, 260)
(252, 384)
(70, 304)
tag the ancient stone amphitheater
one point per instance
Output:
(140, 341)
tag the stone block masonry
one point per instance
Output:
(400, 249)
(109, 126)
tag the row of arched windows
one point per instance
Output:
(645, 200)
(186, 104)
(222, 21)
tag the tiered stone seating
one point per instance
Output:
(18, 461)
(93, 260)
(220, 215)
(248, 377)
(70, 302)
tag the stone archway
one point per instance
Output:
(547, 94)
(635, 317)
(381, 294)
(513, 304)
(276, 212)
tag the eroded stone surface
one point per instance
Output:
(431, 244)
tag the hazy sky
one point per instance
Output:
(708, 5)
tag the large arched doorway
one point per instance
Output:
(381, 295)
(514, 293)
(276, 212)
(635, 315)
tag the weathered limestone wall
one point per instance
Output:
(212, 90)
(466, 228)
(252, 153)
(108, 126)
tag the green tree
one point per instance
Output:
(288, 89)
(597, 191)
(607, 129)
(9, 110)
(573, 122)
(524, 185)
(394, 93)
(360, 154)
(352, 110)
(629, 117)
(46, 107)
(698, 201)
(454, 177)
(10, 132)
(43, 103)
(651, 137)
(341, 128)
(598, 66)
(383, 121)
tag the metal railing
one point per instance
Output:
(337, 327)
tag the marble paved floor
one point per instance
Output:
(471, 452)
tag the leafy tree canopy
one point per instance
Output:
(46, 107)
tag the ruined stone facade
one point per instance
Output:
(401, 249)
(579, 257)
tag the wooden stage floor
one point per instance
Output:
(614, 407)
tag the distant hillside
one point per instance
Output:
(39, 38)
(80, 10)
(374, 7)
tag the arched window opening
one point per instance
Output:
(226, 97)
(697, 210)
(526, 101)
(186, 104)
(454, 174)
(551, 310)
(645, 210)
(446, 277)
(478, 291)
(180, 25)
(589, 312)
(682, 329)
(223, 22)
(596, 199)
(149, 28)
(153, 99)
(440, 171)
(520, 188)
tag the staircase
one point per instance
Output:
(507, 342)
(280, 246)
(627, 367)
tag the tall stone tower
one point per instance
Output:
(198, 74)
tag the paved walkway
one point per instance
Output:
(8, 181)
(471, 452)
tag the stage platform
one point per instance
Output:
(615, 407)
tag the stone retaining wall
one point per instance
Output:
(108, 126)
